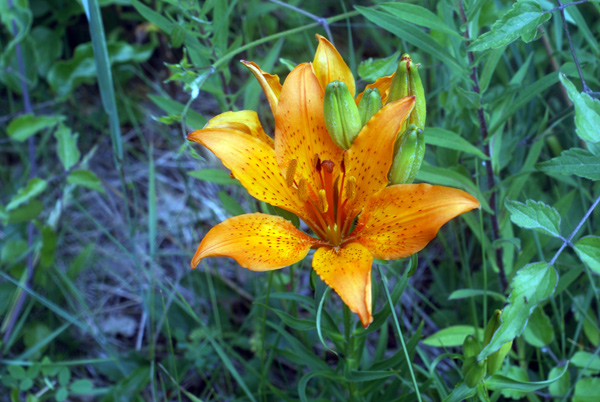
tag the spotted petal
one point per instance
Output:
(370, 156)
(347, 270)
(330, 66)
(382, 84)
(400, 220)
(269, 83)
(245, 121)
(259, 242)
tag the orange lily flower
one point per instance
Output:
(304, 172)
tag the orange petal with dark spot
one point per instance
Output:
(383, 84)
(269, 82)
(253, 163)
(347, 270)
(370, 156)
(245, 121)
(400, 220)
(300, 131)
(259, 242)
(330, 66)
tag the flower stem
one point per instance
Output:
(399, 330)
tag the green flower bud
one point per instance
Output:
(496, 359)
(341, 114)
(475, 374)
(409, 151)
(369, 104)
(470, 349)
(406, 82)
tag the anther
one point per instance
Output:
(303, 190)
(323, 206)
(316, 162)
(291, 172)
(351, 188)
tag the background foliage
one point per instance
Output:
(102, 202)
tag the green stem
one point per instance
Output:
(349, 358)
(397, 323)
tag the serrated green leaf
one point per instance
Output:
(588, 250)
(372, 69)
(534, 215)
(217, 176)
(586, 390)
(66, 146)
(539, 331)
(587, 111)
(34, 187)
(532, 284)
(87, 179)
(523, 20)
(447, 139)
(26, 125)
(575, 161)
(451, 336)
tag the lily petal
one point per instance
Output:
(300, 130)
(330, 66)
(370, 156)
(259, 242)
(400, 220)
(245, 121)
(383, 84)
(269, 83)
(347, 270)
(253, 163)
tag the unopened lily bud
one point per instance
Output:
(475, 374)
(470, 349)
(406, 82)
(369, 104)
(496, 359)
(408, 156)
(341, 114)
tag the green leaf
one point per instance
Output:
(372, 69)
(230, 204)
(26, 212)
(152, 16)
(193, 119)
(586, 390)
(447, 139)
(86, 178)
(522, 20)
(34, 187)
(26, 125)
(575, 161)
(460, 393)
(532, 284)
(466, 293)
(81, 387)
(66, 146)
(213, 176)
(452, 336)
(502, 382)
(61, 394)
(588, 250)
(291, 321)
(561, 385)
(587, 111)
(420, 16)
(64, 376)
(17, 372)
(539, 331)
(586, 360)
(534, 215)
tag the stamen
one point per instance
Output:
(346, 160)
(291, 172)
(323, 206)
(328, 166)
(343, 164)
(302, 189)
(316, 162)
(351, 188)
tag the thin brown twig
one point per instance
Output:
(486, 150)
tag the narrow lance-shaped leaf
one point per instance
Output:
(588, 249)
(534, 215)
(33, 188)
(587, 111)
(523, 20)
(532, 284)
(26, 125)
(575, 161)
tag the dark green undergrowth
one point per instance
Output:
(103, 202)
